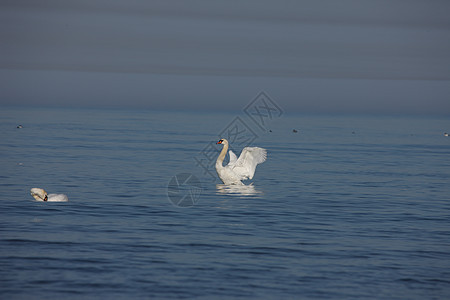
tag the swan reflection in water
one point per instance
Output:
(238, 190)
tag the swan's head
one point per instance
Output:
(222, 141)
(39, 194)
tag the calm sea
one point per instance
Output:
(346, 207)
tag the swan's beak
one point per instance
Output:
(45, 198)
(219, 142)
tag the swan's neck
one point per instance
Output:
(219, 161)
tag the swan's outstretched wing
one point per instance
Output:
(233, 158)
(246, 164)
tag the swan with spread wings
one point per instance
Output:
(241, 168)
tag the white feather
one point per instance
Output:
(246, 164)
(233, 158)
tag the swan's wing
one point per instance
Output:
(57, 198)
(246, 164)
(233, 158)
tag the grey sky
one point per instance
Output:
(318, 56)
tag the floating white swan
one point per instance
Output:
(41, 195)
(241, 168)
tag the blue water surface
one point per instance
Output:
(346, 207)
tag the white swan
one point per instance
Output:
(241, 168)
(41, 195)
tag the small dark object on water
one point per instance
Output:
(19, 126)
(294, 131)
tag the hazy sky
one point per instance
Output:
(382, 56)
